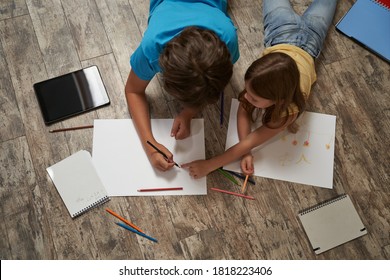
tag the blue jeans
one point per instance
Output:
(283, 26)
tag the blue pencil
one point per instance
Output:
(136, 231)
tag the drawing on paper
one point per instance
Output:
(305, 157)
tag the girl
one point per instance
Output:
(279, 82)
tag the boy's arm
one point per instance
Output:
(139, 111)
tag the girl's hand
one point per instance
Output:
(159, 161)
(247, 164)
(198, 168)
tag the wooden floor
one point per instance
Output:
(41, 39)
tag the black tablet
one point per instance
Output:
(71, 94)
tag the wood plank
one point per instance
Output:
(26, 230)
(10, 120)
(21, 45)
(151, 214)
(12, 8)
(86, 28)
(54, 36)
(122, 30)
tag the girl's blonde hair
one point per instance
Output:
(275, 77)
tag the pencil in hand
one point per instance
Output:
(161, 152)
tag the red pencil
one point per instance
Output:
(233, 193)
(160, 189)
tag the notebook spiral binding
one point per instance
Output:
(93, 205)
(304, 212)
(383, 3)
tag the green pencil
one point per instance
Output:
(229, 176)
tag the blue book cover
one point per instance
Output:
(368, 23)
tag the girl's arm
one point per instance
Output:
(243, 123)
(244, 129)
(259, 136)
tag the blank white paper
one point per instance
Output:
(124, 167)
(305, 157)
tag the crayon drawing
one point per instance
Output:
(305, 157)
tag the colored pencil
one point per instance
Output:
(123, 220)
(71, 128)
(160, 189)
(161, 152)
(244, 185)
(238, 175)
(233, 193)
(227, 175)
(137, 232)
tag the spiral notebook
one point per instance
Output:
(78, 183)
(368, 23)
(332, 223)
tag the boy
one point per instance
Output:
(194, 45)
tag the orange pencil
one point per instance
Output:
(123, 220)
(244, 185)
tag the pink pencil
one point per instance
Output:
(160, 189)
(233, 193)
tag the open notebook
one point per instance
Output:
(368, 23)
(332, 223)
(78, 183)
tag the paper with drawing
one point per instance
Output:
(306, 157)
(124, 167)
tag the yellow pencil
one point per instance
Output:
(244, 185)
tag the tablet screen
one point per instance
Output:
(71, 94)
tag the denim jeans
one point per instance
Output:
(283, 26)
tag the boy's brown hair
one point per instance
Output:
(196, 66)
(275, 76)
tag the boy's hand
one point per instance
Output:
(181, 127)
(247, 164)
(197, 168)
(159, 161)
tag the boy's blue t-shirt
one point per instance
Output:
(168, 18)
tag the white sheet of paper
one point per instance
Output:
(123, 166)
(305, 157)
